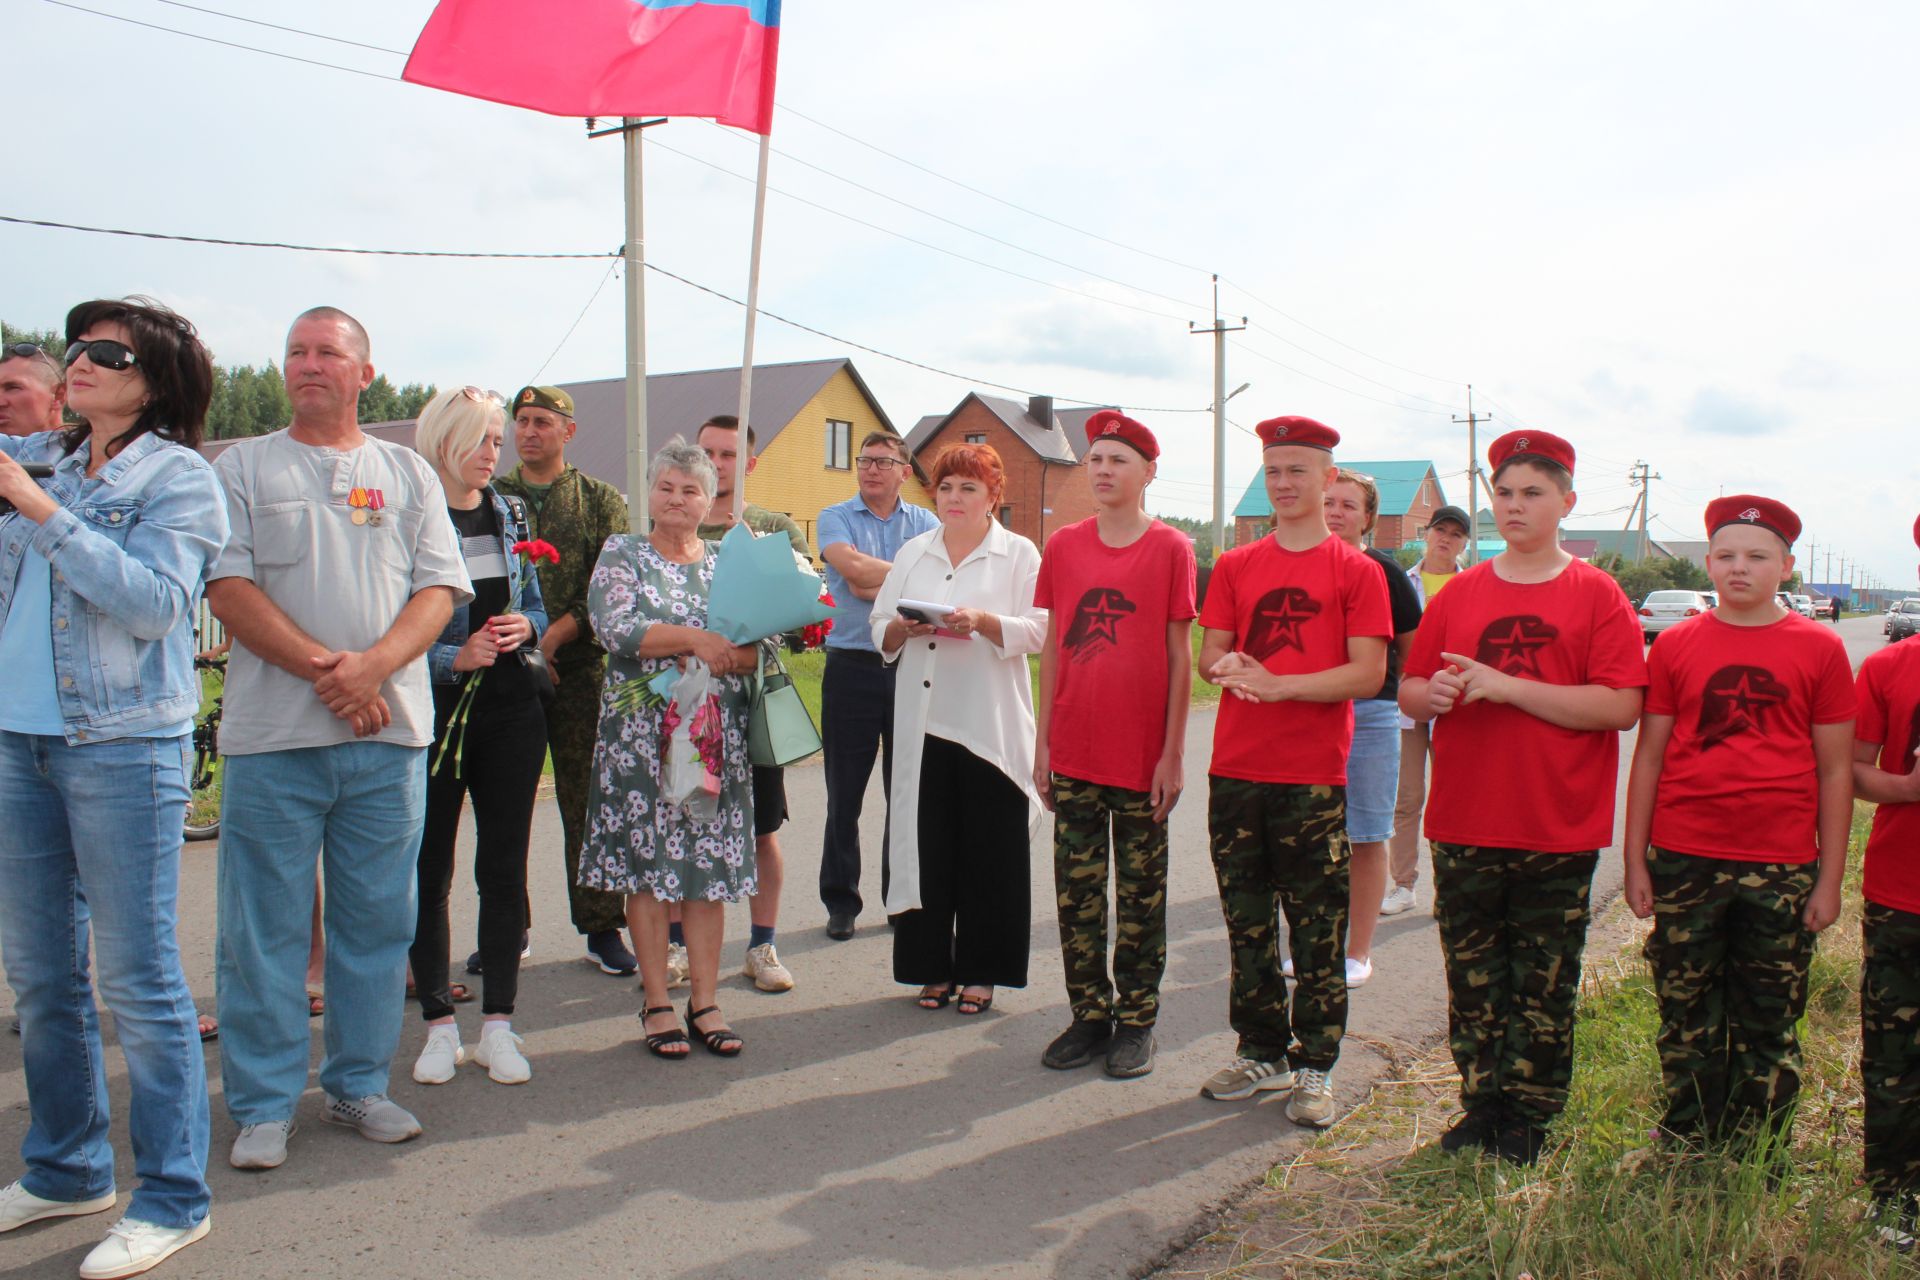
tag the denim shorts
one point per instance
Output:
(1373, 771)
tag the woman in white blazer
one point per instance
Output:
(963, 806)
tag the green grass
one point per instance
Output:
(1375, 1197)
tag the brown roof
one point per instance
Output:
(1060, 437)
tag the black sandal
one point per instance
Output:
(657, 1041)
(931, 999)
(718, 1037)
(972, 1006)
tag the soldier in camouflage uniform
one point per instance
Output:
(1116, 676)
(577, 514)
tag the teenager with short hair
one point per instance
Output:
(1749, 710)
(1529, 665)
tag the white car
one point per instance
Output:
(1662, 609)
(1802, 605)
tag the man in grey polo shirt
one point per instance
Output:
(342, 568)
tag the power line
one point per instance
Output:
(234, 17)
(1292, 319)
(1261, 355)
(191, 35)
(1415, 395)
(612, 267)
(299, 248)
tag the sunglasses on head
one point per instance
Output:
(484, 397)
(104, 352)
(25, 351)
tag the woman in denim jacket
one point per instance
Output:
(490, 740)
(101, 565)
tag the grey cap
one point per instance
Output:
(1452, 513)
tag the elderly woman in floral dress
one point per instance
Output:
(648, 605)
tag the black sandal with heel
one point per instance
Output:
(657, 1041)
(721, 1040)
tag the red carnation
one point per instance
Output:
(538, 549)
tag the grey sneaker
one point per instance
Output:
(1076, 1046)
(377, 1117)
(1244, 1077)
(1131, 1053)
(1312, 1100)
(261, 1146)
(1398, 899)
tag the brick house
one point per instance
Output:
(1040, 447)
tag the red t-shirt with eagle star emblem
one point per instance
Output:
(1293, 611)
(1503, 778)
(1738, 780)
(1110, 608)
(1889, 692)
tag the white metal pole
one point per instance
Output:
(1473, 482)
(753, 313)
(636, 333)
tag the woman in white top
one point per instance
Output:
(963, 803)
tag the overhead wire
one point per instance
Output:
(612, 268)
(298, 31)
(1261, 355)
(230, 44)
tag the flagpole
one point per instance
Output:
(631, 130)
(753, 314)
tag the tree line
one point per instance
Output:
(249, 401)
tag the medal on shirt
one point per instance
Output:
(366, 504)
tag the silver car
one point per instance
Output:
(1802, 605)
(1662, 609)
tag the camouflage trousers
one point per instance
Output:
(1729, 957)
(573, 724)
(1513, 923)
(1890, 1050)
(1283, 846)
(1089, 819)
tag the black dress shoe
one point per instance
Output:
(839, 926)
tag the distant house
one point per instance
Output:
(1040, 447)
(1410, 492)
(1585, 544)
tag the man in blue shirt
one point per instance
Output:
(859, 539)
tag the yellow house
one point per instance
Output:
(808, 419)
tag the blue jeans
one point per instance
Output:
(360, 806)
(90, 844)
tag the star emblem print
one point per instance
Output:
(1751, 513)
(1735, 702)
(1513, 644)
(1096, 621)
(1277, 620)
(1521, 443)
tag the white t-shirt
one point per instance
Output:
(292, 507)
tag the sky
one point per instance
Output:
(1681, 234)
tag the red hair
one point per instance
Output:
(976, 462)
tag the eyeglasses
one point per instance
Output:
(475, 393)
(869, 464)
(26, 351)
(104, 352)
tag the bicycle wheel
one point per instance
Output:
(203, 805)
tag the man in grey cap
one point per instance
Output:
(1447, 532)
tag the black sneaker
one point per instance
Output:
(1076, 1046)
(1518, 1142)
(1474, 1128)
(1130, 1054)
(609, 950)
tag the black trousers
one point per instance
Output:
(501, 755)
(973, 925)
(856, 724)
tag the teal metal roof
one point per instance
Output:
(1399, 483)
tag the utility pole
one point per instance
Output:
(1219, 330)
(1642, 477)
(1474, 482)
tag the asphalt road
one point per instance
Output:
(857, 1136)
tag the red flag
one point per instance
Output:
(607, 57)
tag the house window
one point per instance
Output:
(1006, 516)
(975, 437)
(839, 445)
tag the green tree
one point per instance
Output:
(51, 341)
(1201, 531)
(1660, 573)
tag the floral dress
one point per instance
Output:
(634, 843)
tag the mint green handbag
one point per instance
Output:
(779, 730)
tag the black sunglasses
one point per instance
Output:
(106, 353)
(24, 351)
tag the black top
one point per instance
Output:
(480, 546)
(1405, 603)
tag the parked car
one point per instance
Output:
(1802, 605)
(1662, 609)
(1886, 620)
(1903, 621)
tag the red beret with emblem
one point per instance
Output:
(1916, 531)
(1748, 508)
(1111, 424)
(1530, 444)
(1297, 430)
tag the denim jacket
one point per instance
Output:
(523, 589)
(129, 551)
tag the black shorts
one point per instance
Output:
(769, 799)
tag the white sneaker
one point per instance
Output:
(19, 1206)
(133, 1246)
(678, 968)
(499, 1052)
(1398, 899)
(442, 1056)
(1358, 971)
(1286, 968)
(764, 967)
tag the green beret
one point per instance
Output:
(549, 398)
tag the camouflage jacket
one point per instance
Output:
(761, 520)
(577, 516)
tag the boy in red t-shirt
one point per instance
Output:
(1296, 626)
(1749, 711)
(1116, 675)
(1886, 770)
(1529, 665)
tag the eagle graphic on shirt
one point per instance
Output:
(1735, 702)
(1277, 619)
(1513, 644)
(1096, 621)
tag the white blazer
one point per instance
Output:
(973, 692)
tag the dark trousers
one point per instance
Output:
(972, 927)
(1890, 1051)
(499, 766)
(856, 723)
(573, 726)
